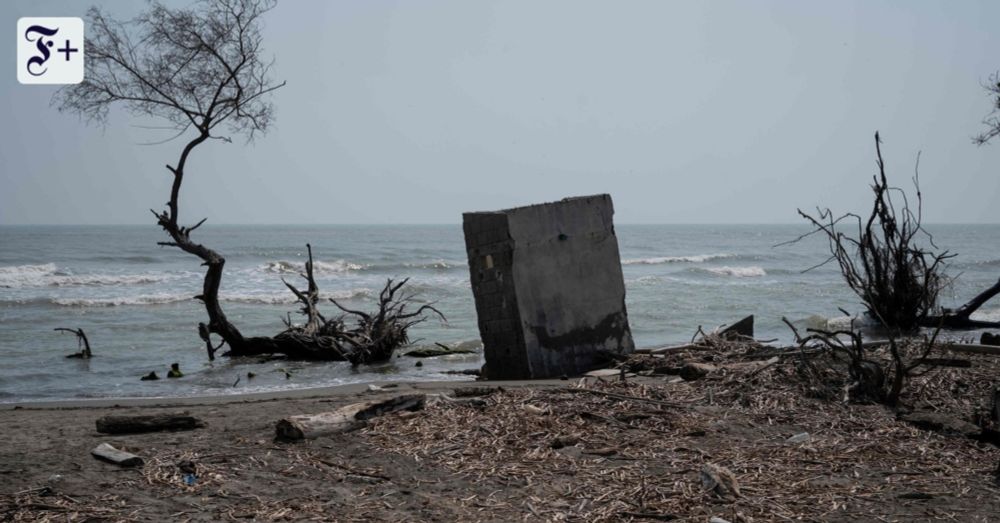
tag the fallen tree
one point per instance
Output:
(198, 68)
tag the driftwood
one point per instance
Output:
(82, 342)
(154, 423)
(121, 458)
(345, 419)
(743, 327)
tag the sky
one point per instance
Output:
(417, 111)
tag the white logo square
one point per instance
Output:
(49, 50)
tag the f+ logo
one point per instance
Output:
(38, 38)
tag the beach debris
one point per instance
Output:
(801, 437)
(251, 375)
(175, 371)
(147, 423)
(563, 441)
(345, 419)
(720, 481)
(121, 458)
(237, 382)
(602, 451)
(693, 370)
(150, 377)
(189, 471)
(374, 388)
(607, 373)
(940, 422)
(532, 409)
(473, 401)
(82, 343)
(742, 328)
(440, 350)
(717, 519)
(465, 392)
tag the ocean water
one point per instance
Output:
(134, 299)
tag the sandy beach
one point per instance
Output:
(600, 449)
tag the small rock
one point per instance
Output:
(801, 437)
(419, 364)
(989, 338)
(717, 519)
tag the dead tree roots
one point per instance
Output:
(354, 336)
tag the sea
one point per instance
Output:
(135, 301)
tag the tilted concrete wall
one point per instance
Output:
(548, 285)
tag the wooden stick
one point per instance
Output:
(345, 419)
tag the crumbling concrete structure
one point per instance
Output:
(548, 285)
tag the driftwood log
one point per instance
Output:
(140, 424)
(345, 419)
(121, 458)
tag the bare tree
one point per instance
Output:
(896, 278)
(992, 120)
(201, 70)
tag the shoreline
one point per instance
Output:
(311, 393)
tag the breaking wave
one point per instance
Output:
(285, 297)
(275, 298)
(49, 275)
(24, 275)
(321, 267)
(117, 301)
(698, 258)
(738, 272)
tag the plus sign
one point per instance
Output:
(67, 50)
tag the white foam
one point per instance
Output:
(49, 275)
(698, 258)
(275, 298)
(287, 298)
(116, 301)
(289, 267)
(738, 272)
(25, 275)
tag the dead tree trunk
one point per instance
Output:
(82, 341)
(959, 318)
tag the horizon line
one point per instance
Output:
(398, 224)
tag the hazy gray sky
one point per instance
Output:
(412, 112)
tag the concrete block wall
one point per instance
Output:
(548, 287)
